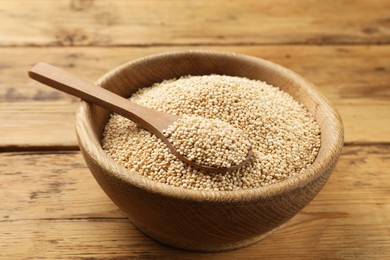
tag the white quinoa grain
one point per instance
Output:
(284, 137)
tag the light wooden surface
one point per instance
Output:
(51, 208)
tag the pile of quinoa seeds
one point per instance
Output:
(209, 142)
(284, 137)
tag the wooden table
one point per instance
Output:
(52, 208)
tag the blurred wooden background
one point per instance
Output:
(52, 208)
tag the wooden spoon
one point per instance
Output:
(152, 120)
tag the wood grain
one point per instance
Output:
(355, 78)
(53, 208)
(89, 22)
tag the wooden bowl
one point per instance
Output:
(207, 220)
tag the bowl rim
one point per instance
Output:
(314, 171)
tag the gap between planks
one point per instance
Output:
(206, 44)
(66, 149)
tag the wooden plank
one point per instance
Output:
(355, 78)
(154, 22)
(38, 125)
(49, 125)
(340, 72)
(44, 185)
(53, 209)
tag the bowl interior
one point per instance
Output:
(144, 72)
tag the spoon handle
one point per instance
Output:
(68, 83)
